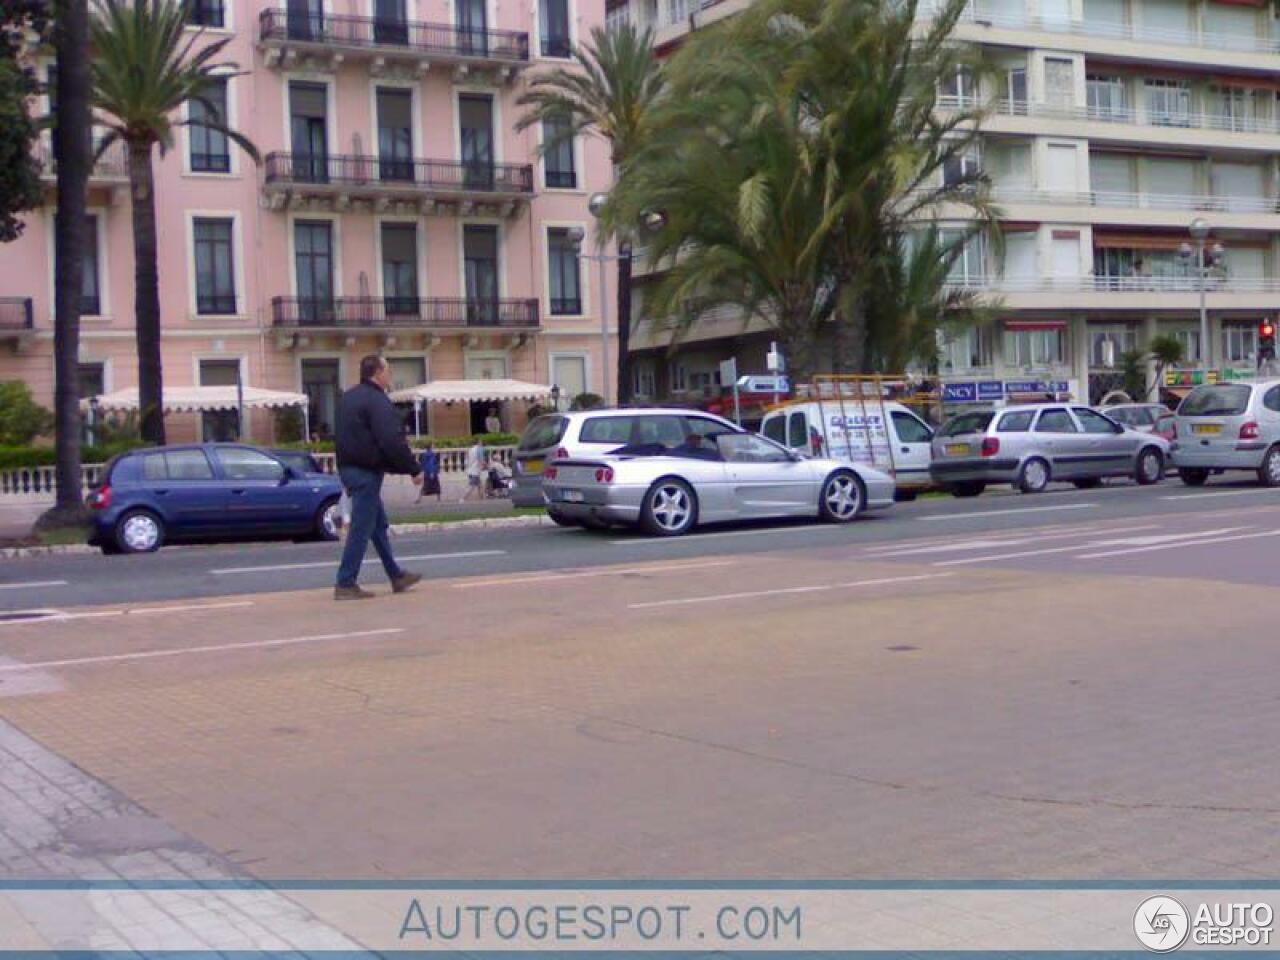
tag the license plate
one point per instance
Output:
(957, 449)
(1206, 428)
(531, 466)
(572, 496)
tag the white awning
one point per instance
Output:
(481, 391)
(196, 399)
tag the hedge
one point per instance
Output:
(16, 458)
(440, 443)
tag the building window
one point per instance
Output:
(676, 378)
(1105, 96)
(92, 379)
(557, 161)
(1168, 102)
(569, 373)
(206, 13)
(220, 426)
(959, 89)
(643, 380)
(1107, 343)
(969, 265)
(1240, 343)
(322, 386)
(400, 268)
(967, 350)
(554, 17)
(210, 152)
(91, 287)
(1189, 337)
(215, 266)
(1033, 348)
(562, 258)
(962, 167)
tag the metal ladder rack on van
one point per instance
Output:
(840, 385)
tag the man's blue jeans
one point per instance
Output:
(368, 522)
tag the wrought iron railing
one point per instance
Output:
(447, 176)
(566, 306)
(16, 313)
(1106, 283)
(113, 164)
(434, 39)
(348, 312)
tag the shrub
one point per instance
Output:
(289, 425)
(16, 458)
(587, 401)
(21, 418)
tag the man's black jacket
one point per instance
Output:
(369, 432)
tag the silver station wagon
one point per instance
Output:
(1033, 445)
(1229, 426)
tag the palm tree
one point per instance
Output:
(820, 120)
(74, 160)
(1167, 352)
(144, 70)
(730, 165)
(612, 87)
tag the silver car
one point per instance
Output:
(592, 433)
(1143, 417)
(1033, 445)
(728, 476)
(1229, 426)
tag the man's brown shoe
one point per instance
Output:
(403, 582)
(351, 593)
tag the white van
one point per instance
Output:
(826, 429)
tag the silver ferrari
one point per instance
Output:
(708, 479)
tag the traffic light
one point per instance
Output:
(1266, 342)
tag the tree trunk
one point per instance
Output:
(74, 158)
(146, 302)
(624, 324)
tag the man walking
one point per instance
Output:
(370, 444)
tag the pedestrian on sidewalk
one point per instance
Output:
(476, 460)
(370, 443)
(429, 461)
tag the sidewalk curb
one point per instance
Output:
(481, 523)
(9, 553)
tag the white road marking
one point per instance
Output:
(612, 572)
(956, 546)
(1180, 545)
(782, 591)
(1006, 513)
(992, 558)
(33, 584)
(59, 616)
(224, 571)
(183, 651)
(1217, 493)
(694, 538)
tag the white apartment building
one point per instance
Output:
(1114, 125)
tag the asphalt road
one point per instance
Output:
(1228, 530)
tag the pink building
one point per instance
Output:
(397, 210)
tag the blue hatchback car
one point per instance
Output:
(209, 491)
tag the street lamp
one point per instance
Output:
(651, 221)
(1199, 230)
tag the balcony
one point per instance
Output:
(111, 170)
(1177, 128)
(404, 313)
(1109, 38)
(292, 39)
(17, 319)
(428, 185)
(1122, 209)
(1120, 293)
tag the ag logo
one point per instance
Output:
(1162, 924)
